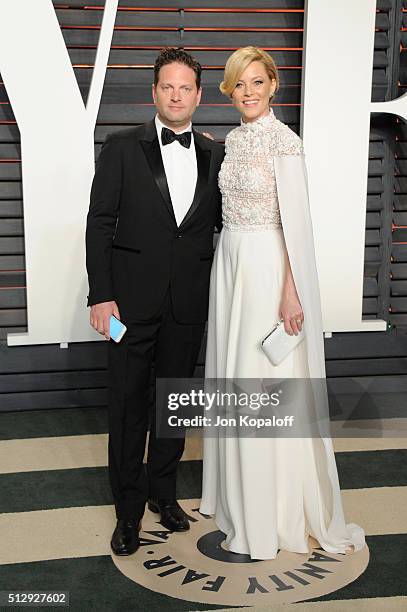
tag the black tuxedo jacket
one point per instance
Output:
(134, 249)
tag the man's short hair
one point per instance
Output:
(170, 55)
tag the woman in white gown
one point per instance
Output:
(267, 494)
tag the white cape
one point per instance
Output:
(295, 215)
(293, 198)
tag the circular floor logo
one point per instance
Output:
(195, 566)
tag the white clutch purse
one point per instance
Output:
(277, 344)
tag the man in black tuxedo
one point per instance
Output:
(149, 246)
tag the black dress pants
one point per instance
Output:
(171, 348)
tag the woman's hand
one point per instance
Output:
(290, 306)
(291, 312)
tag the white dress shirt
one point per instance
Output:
(181, 171)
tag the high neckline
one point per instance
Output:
(261, 122)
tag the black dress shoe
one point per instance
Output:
(172, 515)
(125, 538)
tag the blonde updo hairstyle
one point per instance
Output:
(238, 62)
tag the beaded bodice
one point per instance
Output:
(247, 178)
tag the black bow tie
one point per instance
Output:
(168, 136)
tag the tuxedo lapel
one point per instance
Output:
(152, 151)
(203, 159)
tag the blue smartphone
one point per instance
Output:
(117, 329)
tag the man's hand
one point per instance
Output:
(100, 317)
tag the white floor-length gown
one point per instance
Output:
(269, 493)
